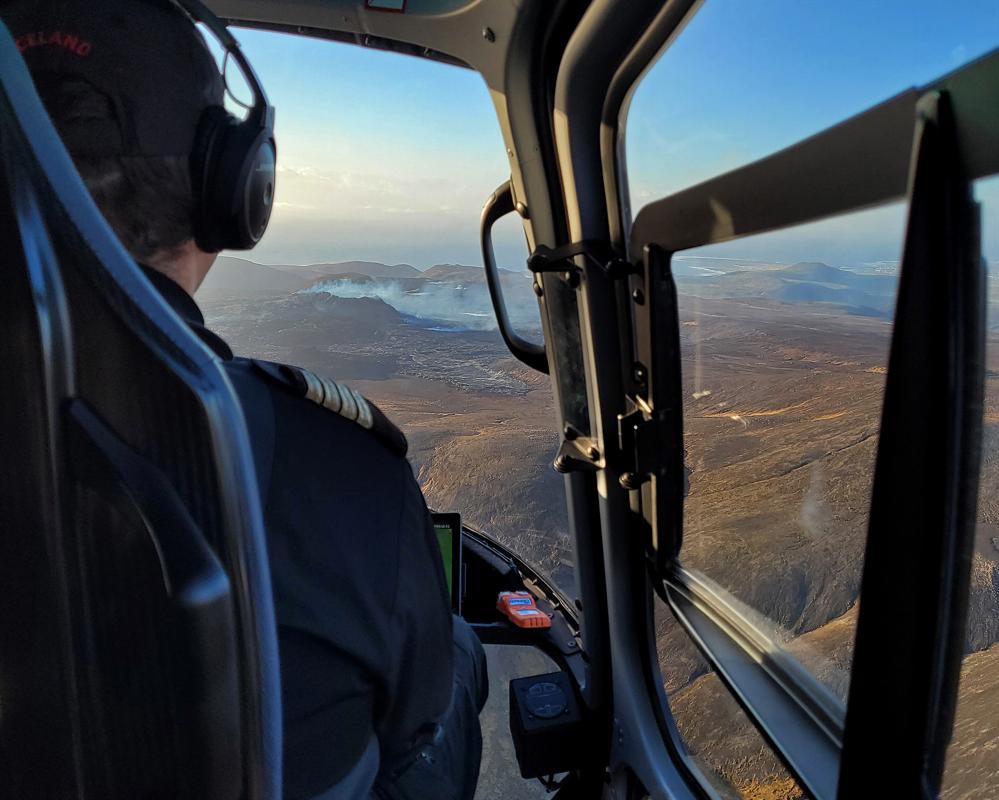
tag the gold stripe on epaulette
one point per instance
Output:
(313, 388)
(364, 416)
(341, 399)
(331, 396)
(348, 404)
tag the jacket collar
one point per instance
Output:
(185, 307)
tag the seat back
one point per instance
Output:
(138, 654)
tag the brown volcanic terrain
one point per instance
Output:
(972, 769)
(782, 400)
(781, 424)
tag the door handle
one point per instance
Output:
(499, 204)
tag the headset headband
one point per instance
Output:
(262, 112)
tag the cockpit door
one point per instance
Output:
(926, 145)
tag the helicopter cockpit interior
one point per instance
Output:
(713, 378)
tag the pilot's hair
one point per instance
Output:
(147, 200)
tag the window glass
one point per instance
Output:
(724, 744)
(784, 363)
(973, 757)
(370, 273)
(783, 381)
(745, 79)
(784, 346)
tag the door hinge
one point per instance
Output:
(577, 454)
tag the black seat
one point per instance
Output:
(138, 654)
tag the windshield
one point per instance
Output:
(370, 274)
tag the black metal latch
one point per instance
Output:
(560, 259)
(644, 442)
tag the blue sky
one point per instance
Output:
(381, 157)
(389, 158)
(748, 77)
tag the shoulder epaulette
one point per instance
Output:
(338, 398)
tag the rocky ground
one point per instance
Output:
(781, 423)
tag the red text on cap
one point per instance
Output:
(71, 42)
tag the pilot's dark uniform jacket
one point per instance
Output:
(362, 607)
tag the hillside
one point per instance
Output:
(231, 276)
(350, 277)
(523, 504)
(451, 272)
(781, 421)
(805, 282)
(972, 770)
(470, 275)
(373, 269)
(733, 754)
(782, 401)
(726, 745)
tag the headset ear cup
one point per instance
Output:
(258, 188)
(207, 152)
(232, 174)
(244, 184)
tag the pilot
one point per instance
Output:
(381, 686)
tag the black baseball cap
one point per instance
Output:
(145, 56)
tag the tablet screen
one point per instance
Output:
(448, 530)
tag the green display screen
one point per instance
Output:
(445, 538)
(447, 526)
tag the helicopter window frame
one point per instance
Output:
(364, 40)
(816, 178)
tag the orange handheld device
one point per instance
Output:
(519, 608)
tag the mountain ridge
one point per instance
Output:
(803, 282)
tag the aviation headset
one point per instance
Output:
(232, 160)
